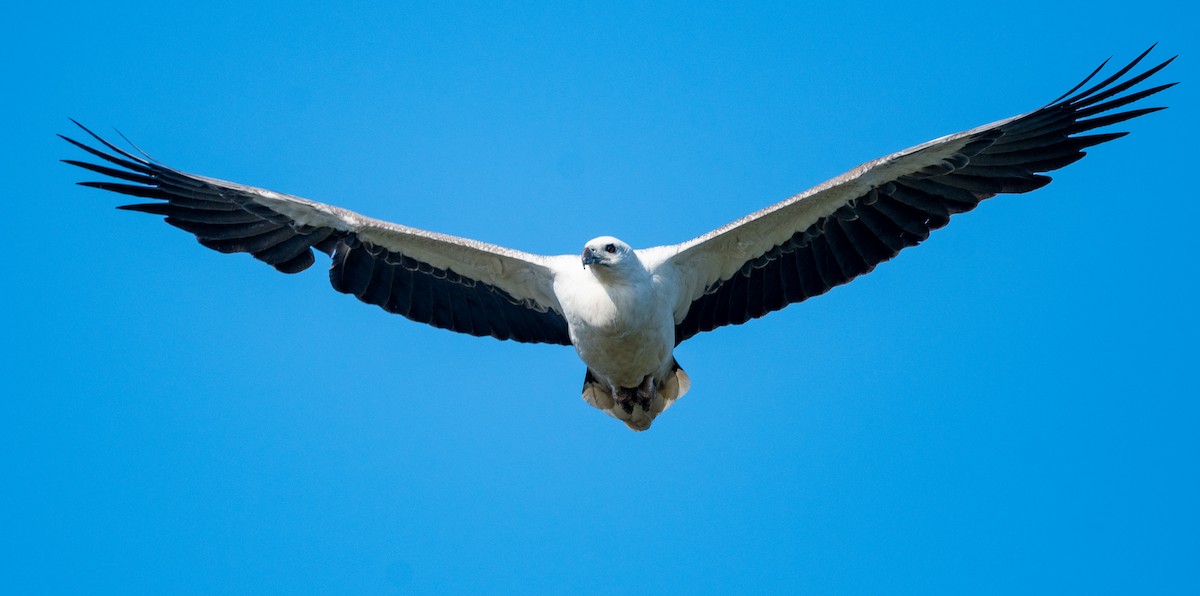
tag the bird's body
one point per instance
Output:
(621, 321)
(625, 310)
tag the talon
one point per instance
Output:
(626, 399)
(645, 393)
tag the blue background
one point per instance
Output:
(1010, 407)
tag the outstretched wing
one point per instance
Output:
(448, 282)
(843, 228)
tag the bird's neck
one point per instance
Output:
(625, 274)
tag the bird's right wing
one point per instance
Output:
(445, 281)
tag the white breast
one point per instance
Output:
(624, 331)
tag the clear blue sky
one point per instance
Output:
(1010, 407)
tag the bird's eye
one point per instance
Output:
(610, 248)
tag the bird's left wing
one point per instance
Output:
(841, 229)
(448, 282)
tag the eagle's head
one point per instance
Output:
(608, 252)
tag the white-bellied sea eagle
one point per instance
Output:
(624, 309)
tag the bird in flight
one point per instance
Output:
(625, 309)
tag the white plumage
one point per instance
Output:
(625, 310)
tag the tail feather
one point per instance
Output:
(599, 395)
(677, 384)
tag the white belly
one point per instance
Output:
(622, 333)
(624, 360)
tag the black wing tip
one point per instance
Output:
(72, 141)
(133, 190)
(1083, 142)
(1085, 80)
(151, 208)
(135, 147)
(1071, 97)
(1093, 107)
(81, 127)
(111, 147)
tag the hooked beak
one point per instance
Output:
(590, 257)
